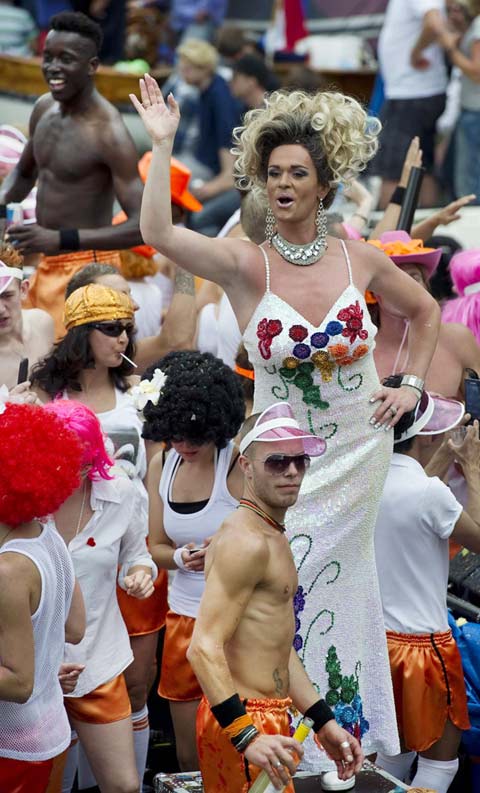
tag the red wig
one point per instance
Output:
(40, 463)
(85, 424)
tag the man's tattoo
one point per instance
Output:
(184, 282)
(279, 683)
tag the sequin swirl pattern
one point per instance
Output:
(327, 373)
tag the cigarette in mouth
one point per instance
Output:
(129, 360)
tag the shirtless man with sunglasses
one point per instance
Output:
(241, 650)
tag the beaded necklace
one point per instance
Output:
(245, 502)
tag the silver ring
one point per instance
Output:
(345, 745)
(393, 410)
(277, 764)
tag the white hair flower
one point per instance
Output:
(148, 390)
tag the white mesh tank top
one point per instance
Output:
(39, 728)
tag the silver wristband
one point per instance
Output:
(414, 382)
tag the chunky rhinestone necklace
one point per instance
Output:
(300, 254)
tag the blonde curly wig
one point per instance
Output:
(334, 128)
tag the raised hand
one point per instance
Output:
(160, 119)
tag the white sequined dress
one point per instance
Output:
(327, 373)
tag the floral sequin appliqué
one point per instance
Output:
(343, 696)
(317, 357)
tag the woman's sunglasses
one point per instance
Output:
(277, 464)
(114, 328)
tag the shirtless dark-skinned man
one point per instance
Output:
(241, 649)
(83, 157)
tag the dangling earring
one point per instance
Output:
(269, 226)
(321, 224)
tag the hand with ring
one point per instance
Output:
(392, 403)
(277, 755)
(341, 747)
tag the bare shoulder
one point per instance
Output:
(367, 261)
(155, 467)
(17, 572)
(113, 127)
(41, 106)
(37, 319)
(38, 333)
(239, 533)
(250, 260)
(460, 339)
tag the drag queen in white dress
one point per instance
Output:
(299, 298)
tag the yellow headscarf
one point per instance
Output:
(96, 303)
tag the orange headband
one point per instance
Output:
(96, 303)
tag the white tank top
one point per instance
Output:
(39, 728)
(187, 586)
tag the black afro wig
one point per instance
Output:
(201, 401)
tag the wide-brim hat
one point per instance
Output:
(434, 415)
(277, 423)
(7, 274)
(179, 180)
(401, 249)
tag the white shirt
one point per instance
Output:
(114, 535)
(148, 318)
(229, 335)
(401, 29)
(416, 517)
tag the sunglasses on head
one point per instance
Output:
(277, 464)
(114, 328)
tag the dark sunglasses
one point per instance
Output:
(277, 464)
(113, 328)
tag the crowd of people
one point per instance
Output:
(233, 424)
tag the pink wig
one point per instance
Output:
(83, 421)
(465, 274)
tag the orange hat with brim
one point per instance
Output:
(179, 179)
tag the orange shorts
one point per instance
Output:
(145, 616)
(48, 283)
(224, 770)
(104, 705)
(177, 678)
(42, 776)
(428, 686)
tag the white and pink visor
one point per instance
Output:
(277, 423)
(434, 415)
(7, 274)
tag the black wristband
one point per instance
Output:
(3, 211)
(319, 713)
(397, 196)
(245, 738)
(69, 240)
(228, 710)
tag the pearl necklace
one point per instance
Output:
(300, 254)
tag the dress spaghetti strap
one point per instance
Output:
(349, 264)
(267, 269)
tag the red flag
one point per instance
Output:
(294, 22)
